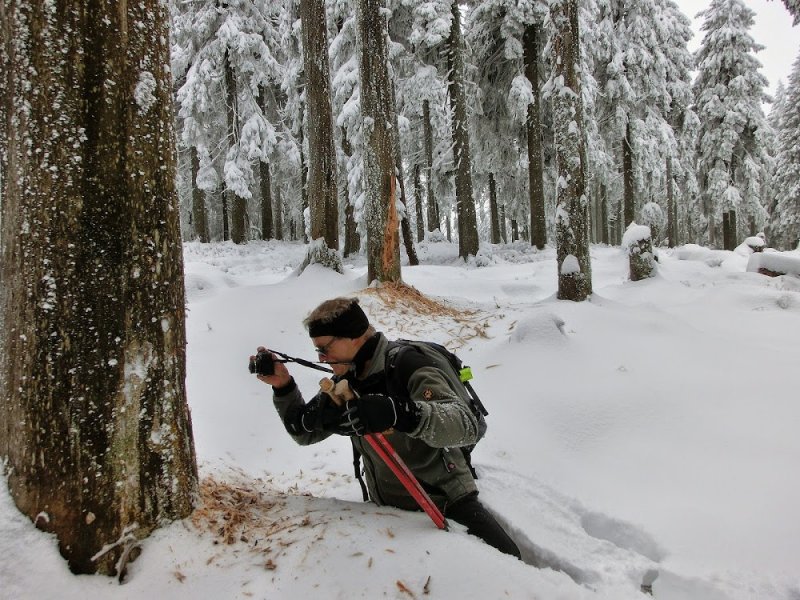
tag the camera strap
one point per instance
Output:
(300, 361)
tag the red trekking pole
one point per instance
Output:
(340, 394)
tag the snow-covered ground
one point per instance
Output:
(654, 427)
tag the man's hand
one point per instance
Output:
(374, 413)
(319, 415)
(280, 378)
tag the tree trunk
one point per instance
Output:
(671, 225)
(352, 241)
(383, 245)
(604, 214)
(278, 213)
(418, 204)
(729, 235)
(514, 230)
(534, 132)
(572, 239)
(93, 420)
(237, 204)
(199, 215)
(322, 192)
(434, 219)
(495, 221)
(627, 179)
(503, 233)
(266, 200)
(405, 224)
(465, 203)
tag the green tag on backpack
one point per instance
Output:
(465, 374)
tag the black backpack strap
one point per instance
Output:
(357, 469)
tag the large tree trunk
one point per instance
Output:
(434, 220)
(383, 246)
(199, 214)
(322, 192)
(627, 179)
(534, 132)
(93, 419)
(572, 239)
(465, 203)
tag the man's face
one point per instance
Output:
(331, 349)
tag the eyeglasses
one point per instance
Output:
(323, 350)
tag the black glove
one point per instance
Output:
(373, 413)
(319, 415)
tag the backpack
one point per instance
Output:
(449, 364)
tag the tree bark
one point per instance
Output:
(322, 192)
(94, 422)
(434, 220)
(465, 203)
(199, 214)
(534, 133)
(572, 239)
(382, 219)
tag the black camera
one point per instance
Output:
(262, 364)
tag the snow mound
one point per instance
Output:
(544, 327)
(776, 262)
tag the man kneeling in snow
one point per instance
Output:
(421, 404)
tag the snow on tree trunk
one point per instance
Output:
(638, 243)
(94, 422)
(322, 192)
(465, 203)
(382, 219)
(572, 236)
(199, 214)
(534, 134)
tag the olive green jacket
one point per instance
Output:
(431, 451)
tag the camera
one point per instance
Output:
(262, 364)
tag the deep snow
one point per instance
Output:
(653, 427)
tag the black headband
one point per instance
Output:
(351, 323)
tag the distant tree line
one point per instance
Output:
(471, 113)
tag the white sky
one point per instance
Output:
(772, 29)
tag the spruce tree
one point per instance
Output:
(729, 91)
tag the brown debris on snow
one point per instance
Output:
(248, 512)
(401, 306)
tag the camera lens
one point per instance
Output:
(264, 364)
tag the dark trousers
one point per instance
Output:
(480, 522)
